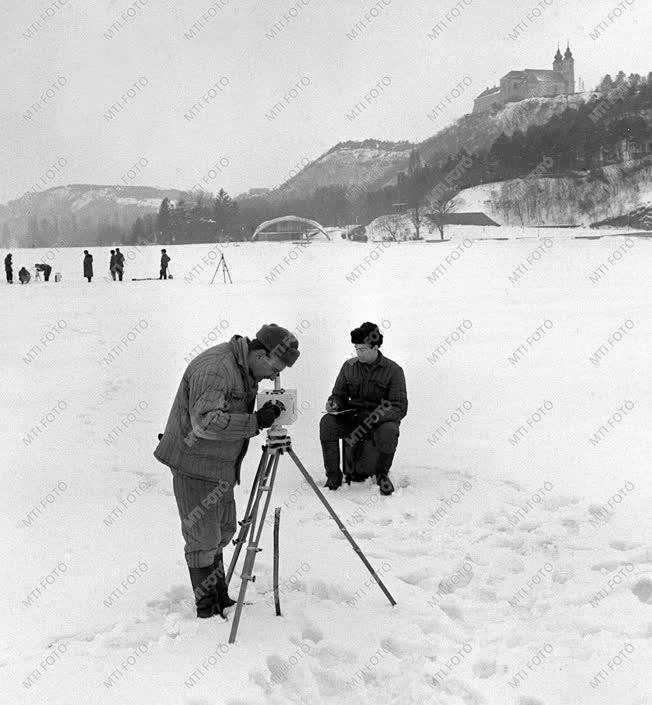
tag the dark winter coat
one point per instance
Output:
(366, 386)
(119, 261)
(112, 262)
(8, 263)
(88, 265)
(46, 268)
(164, 261)
(212, 417)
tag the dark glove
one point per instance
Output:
(267, 414)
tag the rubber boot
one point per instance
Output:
(203, 587)
(331, 453)
(221, 588)
(382, 473)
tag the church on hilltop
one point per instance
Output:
(530, 83)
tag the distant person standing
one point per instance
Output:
(119, 263)
(88, 266)
(164, 265)
(45, 268)
(24, 276)
(9, 270)
(112, 268)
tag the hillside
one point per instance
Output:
(83, 206)
(365, 165)
(372, 164)
(582, 198)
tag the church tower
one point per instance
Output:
(558, 64)
(568, 69)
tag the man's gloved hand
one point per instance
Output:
(332, 405)
(267, 414)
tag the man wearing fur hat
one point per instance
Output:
(205, 440)
(374, 387)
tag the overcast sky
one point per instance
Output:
(73, 74)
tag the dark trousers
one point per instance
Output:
(164, 273)
(119, 271)
(10, 276)
(332, 428)
(46, 275)
(89, 277)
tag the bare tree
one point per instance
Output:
(416, 216)
(391, 227)
(441, 206)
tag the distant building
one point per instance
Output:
(469, 218)
(530, 83)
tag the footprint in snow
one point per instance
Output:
(484, 668)
(624, 545)
(311, 631)
(643, 590)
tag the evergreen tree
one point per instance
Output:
(163, 221)
(621, 79)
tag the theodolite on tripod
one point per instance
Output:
(278, 443)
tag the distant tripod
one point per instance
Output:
(225, 270)
(278, 442)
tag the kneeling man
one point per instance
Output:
(374, 387)
(205, 440)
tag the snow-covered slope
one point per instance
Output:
(581, 199)
(517, 548)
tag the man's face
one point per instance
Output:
(266, 366)
(366, 353)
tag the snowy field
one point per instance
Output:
(517, 544)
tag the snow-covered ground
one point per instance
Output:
(517, 544)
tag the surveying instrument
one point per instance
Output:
(278, 443)
(225, 270)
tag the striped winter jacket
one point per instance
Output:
(372, 384)
(211, 420)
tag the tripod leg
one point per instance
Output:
(246, 521)
(277, 521)
(343, 528)
(266, 485)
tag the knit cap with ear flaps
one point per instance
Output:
(368, 334)
(280, 342)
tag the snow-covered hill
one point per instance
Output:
(372, 164)
(87, 203)
(517, 544)
(583, 199)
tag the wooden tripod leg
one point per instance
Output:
(343, 528)
(246, 521)
(266, 485)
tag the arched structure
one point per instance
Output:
(289, 233)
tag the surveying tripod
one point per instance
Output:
(278, 443)
(225, 270)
